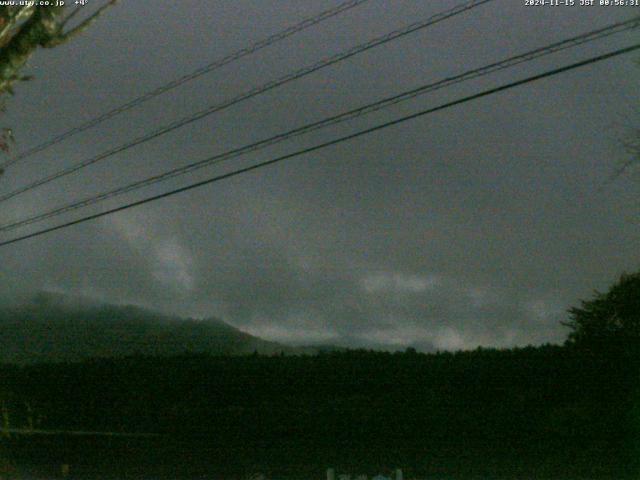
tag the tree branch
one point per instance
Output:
(71, 15)
(42, 28)
(61, 38)
(12, 18)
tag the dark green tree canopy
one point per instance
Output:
(609, 319)
(25, 28)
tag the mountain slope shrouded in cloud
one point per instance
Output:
(54, 327)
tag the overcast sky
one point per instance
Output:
(478, 225)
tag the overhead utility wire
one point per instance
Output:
(335, 141)
(252, 93)
(259, 45)
(333, 120)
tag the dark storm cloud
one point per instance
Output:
(478, 225)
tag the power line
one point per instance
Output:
(336, 141)
(334, 120)
(394, 35)
(237, 55)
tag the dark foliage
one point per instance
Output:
(530, 413)
(609, 320)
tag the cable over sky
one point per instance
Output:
(367, 131)
(290, 77)
(386, 102)
(210, 67)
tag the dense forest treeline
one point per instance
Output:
(555, 411)
(535, 412)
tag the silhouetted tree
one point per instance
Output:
(24, 29)
(630, 166)
(609, 319)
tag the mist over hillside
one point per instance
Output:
(54, 327)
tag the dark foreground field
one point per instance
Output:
(547, 412)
